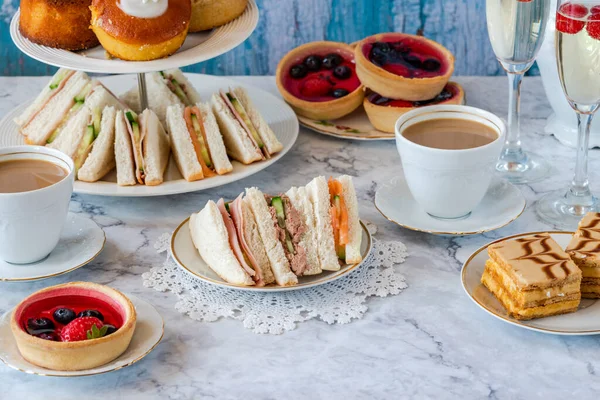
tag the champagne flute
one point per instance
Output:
(578, 60)
(516, 29)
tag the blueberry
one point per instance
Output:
(332, 60)
(313, 63)
(445, 95)
(338, 93)
(431, 64)
(91, 313)
(39, 325)
(298, 71)
(382, 47)
(414, 61)
(52, 336)
(378, 99)
(64, 315)
(342, 72)
(110, 329)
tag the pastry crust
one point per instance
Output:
(140, 39)
(208, 14)
(324, 110)
(395, 86)
(62, 24)
(75, 356)
(384, 118)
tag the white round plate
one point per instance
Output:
(197, 47)
(586, 321)
(355, 126)
(502, 204)
(276, 112)
(80, 242)
(148, 333)
(187, 257)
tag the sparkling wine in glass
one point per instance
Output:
(578, 59)
(516, 29)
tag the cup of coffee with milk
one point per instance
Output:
(449, 156)
(36, 184)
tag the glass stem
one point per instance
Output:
(512, 151)
(580, 186)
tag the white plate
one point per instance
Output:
(502, 204)
(276, 112)
(148, 333)
(80, 242)
(355, 126)
(197, 47)
(187, 257)
(586, 321)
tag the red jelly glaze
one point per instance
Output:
(295, 86)
(416, 48)
(451, 88)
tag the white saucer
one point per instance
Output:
(586, 321)
(80, 242)
(187, 257)
(502, 204)
(148, 334)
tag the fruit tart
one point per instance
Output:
(402, 66)
(74, 326)
(319, 80)
(384, 112)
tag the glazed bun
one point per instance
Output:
(62, 24)
(140, 39)
(208, 14)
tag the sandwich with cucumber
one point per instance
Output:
(142, 148)
(196, 141)
(247, 136)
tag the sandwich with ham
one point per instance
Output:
(196, 141)
(247, 136)
(142, 148)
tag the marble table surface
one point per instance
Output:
(431, 341)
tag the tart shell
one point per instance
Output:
(75, 356)
(384, 118)
(395, 86)
(324, 110)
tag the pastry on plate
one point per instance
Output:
(384, 112)
(584, 250)
(73, 326)
(208, 14)
(402, 66)
(140, 31)
(62, 24)
(319, 80)
(532, 277)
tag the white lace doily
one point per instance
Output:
(336, 302)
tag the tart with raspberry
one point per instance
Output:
(319, 80)
(383, 112)
(74, 326)
(402, 66)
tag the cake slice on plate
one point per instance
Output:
(584, 250)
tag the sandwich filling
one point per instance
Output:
(57, 83)
(137, 136)
(91, 133)
(78, 102)
(178, 88)
(241, 115)
(339, 217)
(290, 229)
(195, 125)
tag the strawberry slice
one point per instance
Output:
(316, 87)
(571, 25)
(524, 1)
(593, 28)
(83, 328)
(595, 10)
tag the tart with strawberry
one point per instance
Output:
(319, 80)
(74, 326)
(402, 66)
(383, 112)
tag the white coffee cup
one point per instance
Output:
(31, 222)
(448, 183)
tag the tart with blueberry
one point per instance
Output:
(401, 66)
(319, 80)
(383, 112)
(74, 326)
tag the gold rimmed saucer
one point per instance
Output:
(354, 126)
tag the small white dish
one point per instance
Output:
(80, 242)
(586, 321)
(502, 204)
(148, 334)
(187, 257)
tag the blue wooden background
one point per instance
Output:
(458, 24)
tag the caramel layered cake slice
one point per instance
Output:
(584, 250)
(532, 277)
